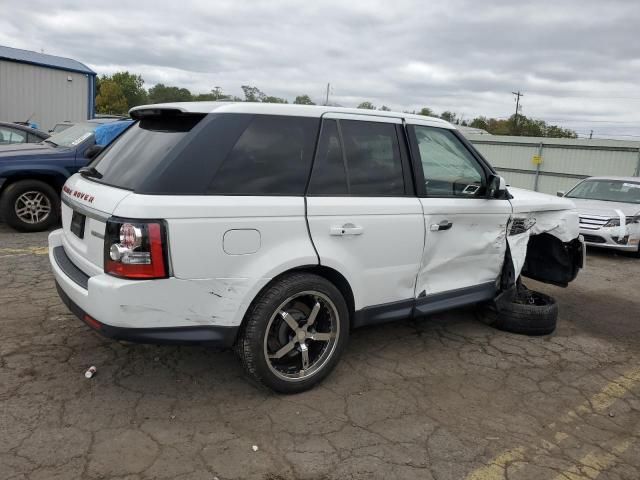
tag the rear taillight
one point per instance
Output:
(135, 249)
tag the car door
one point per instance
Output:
(465, 230)
(364, 218)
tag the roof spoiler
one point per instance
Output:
(140, 113)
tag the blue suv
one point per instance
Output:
(32, 175)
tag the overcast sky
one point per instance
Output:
(577, 62)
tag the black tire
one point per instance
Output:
(263, 318)
(515, 314)
(24, 187)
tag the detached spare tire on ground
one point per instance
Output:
(522, 311)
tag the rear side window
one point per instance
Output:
(271, 157)
(329, 170)
(371, 153)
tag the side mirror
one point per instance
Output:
(93, 151)
(496, 187)
(561, 193)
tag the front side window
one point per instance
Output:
(607, 190)
(8, 135)
(366, 162)
(449, 168)
(271, 157)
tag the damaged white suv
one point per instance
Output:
(278, 228)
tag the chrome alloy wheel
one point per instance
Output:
(32, 207)
(301, 335)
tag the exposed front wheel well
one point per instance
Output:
(550, 260)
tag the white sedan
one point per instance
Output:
(609, 209)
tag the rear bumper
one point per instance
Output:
(223, 337)
(153, 311)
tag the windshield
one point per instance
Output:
(607, 190)
(74, 135)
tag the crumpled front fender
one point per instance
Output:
(545, 246)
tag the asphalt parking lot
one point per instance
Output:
(440, 398)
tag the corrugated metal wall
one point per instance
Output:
(45, 93)
(563, 161)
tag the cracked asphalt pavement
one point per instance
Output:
(444, 397)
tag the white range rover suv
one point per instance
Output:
(276, 229)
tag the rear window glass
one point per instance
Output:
(271, 157)
(141, 149)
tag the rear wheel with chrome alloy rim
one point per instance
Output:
(294, 333)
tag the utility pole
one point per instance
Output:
(326, 102)
(518, 95)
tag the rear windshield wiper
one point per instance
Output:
(90, 172)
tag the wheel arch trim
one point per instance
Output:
(335, 277)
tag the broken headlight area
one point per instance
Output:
(518, 225)
(615, 222)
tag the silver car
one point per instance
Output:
(609, 209)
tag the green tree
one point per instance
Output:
(479, 122)
(303, 100)
(132, 86)
(449, 116)
(272, 99)
(521, 126)
(111, 98)
(367, 106)
(215, 95)
(384, 108)
(427, 112)
(161, 93)
(558, 132)
(252, 94)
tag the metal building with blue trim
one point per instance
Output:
(44, 89)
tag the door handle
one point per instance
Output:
(346, 229)
(443, 225)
